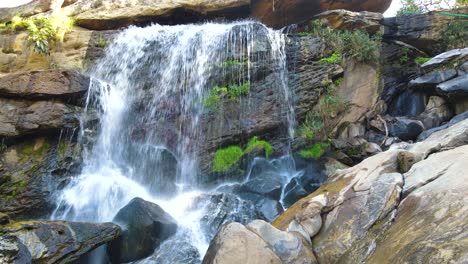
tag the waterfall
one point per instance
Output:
(149, 91)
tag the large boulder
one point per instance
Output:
(455, 88)
(65, 84)
(423, 31)
(431, 80)
(362, 217)
(52, 241)
(347, 20)
(234, 244)
(278, 14)
(145, 225)
(107, 14)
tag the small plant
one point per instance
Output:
(102, 43)
(311, 126)
(335, 58)
(404, 58)
(226, 157)
(421, 60)
(42, 31)
(233, 62)
(316, 151)
(456, 35)
(232, 92)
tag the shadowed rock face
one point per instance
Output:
(52, 241)
(278, 14)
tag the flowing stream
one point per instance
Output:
(149, 92)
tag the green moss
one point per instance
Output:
(226, 157)
(421, 60)
(316, 151)
(404, 58)
(254, 143)
(62, 148)
(30, 152)
(233, 62)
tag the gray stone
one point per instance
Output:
(454, 88)
(431, 80)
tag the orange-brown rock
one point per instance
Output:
(280, 13)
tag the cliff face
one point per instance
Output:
(397, 198)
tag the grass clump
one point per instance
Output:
(316, 151)
(102, 43)
(226, 157)
(335, 58)
(404, 58)
(42, 31)
(233, 92)
(358, 45)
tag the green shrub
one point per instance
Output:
(357, 44)
(456, 35)
(225, 158)
(316, 151)
(254, 143)
(421, 60)
(42, 31)
(335, 58)
(404, 58)
(311, 126)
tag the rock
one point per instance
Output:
(404, 128)
(283, 13)
(175, 250)
(431, 219)
(44, 85)
(453, 121)
(333, 165)
(13, 251)
(437, 112)
(347, 20)
(219, 209)
(446, 58)
(423, 31)
(266, 184)
(25, 10)
(454, 88)
(4, 219)
(293, 192)
(372, 148)
(236, 244)
(145, 227)
(290, 248)
(107, 14)
(19, 118)
(408, 103)
(32, 170)
(431, 80)
(54, 241)
(266, 208)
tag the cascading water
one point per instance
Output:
(150, 93)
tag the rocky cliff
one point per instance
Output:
(394, 133)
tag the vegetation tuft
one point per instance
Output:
(233, 92)
(42, 31)
(316, 151)
(226, 157)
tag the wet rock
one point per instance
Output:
(31, 172)
(266, 184)
(293, 192)
(266, 208)
(18, 117)
(145, 227)
(224, 208)
(53, 241)
(404, 128)
(176, 250)
(454, 88)
(431, 80)
(69, 85)
(236, 244)
(284, 13)
(4, 219)
(408, 103)
(289, 247)
(346, 20)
